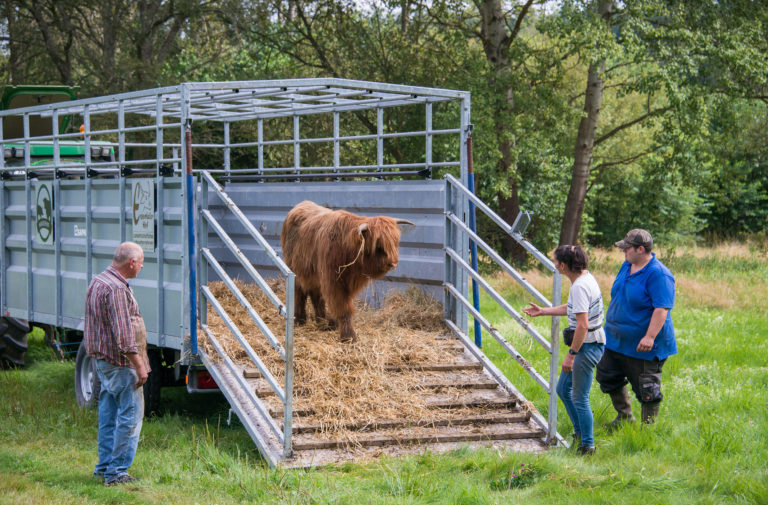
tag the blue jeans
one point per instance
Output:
(573, 389)
(121, 411)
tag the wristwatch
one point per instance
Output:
(572, 352)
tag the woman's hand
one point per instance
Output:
(568, 363)
(534, 310)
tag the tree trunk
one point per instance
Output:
(585, 141)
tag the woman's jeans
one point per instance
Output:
(573, 389)
(121, 411)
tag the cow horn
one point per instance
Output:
(363, 227)
(404, 221)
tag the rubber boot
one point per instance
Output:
(649, 412)
(623, 406)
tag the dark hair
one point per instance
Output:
(573, 256)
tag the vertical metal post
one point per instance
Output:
(30, 202)
(191, 240)
(203, 241)
(554, 341)
(188, 232)
(88, 195)
(448, 304)
(260, 148)
(121, 164)
(296, 150)
(472, 244)
(336, 152)
(462, 212)
(379, 139)
(428, 140)
(57, 217)
(159, 220)
(290, 282)
(227, 150)
(3, 284)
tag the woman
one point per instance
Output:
(585, 318)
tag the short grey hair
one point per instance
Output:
(126, 252)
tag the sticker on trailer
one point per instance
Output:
(143, 213)
(44, 212)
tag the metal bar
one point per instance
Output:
(245, 387)
(227, 149)
(379, 138)
(188, 323)
(290, 281)
(296, 151)
(499, 299)
(247, 224)
(554, 358)
(326, 175)
(503, 224)
(501, 262)
(57, 220)
(263, 370)
(203, 262)
(499, 338)
(255, 275)
(191, 241)
(30, 200)
(499, 376)
(159, 218)
(88, 196)
(243, 301)
(260, 139)
(428, 134)
(336, 152)
(121, 160)
(472, 244)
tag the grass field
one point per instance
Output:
(710, 445)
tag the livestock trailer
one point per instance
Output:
(201, 175)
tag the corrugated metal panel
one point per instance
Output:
(266, 205)
(105, 237)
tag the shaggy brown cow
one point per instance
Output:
(334, 254)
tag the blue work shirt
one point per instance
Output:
(633, 299)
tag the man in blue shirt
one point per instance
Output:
(638, 328)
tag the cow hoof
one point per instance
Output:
(348, 338)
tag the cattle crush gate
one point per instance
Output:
(259, 147)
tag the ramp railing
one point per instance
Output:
(458, 234)
(208, 223)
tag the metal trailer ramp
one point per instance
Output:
(488, 414)
(480, 407)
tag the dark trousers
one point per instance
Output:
(615, 370)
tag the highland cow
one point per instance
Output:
(334, 254)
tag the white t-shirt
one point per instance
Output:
(585, 297)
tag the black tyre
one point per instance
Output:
(87, 383)
(154, 383)
(13, 342)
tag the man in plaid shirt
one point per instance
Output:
(116, 338)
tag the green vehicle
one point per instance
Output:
(13, 331)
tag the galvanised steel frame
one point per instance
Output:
(156, 126)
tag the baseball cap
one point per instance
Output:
(636, 237)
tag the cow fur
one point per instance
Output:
(334, 259)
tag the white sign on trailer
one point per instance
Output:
(143, 213)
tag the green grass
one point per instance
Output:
(709, 446)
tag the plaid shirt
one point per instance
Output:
(109, 307)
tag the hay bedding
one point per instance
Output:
(345, 383)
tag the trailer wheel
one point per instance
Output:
(87, 383)
(13, 342)
(154, 383)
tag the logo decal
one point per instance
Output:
(44, 213)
